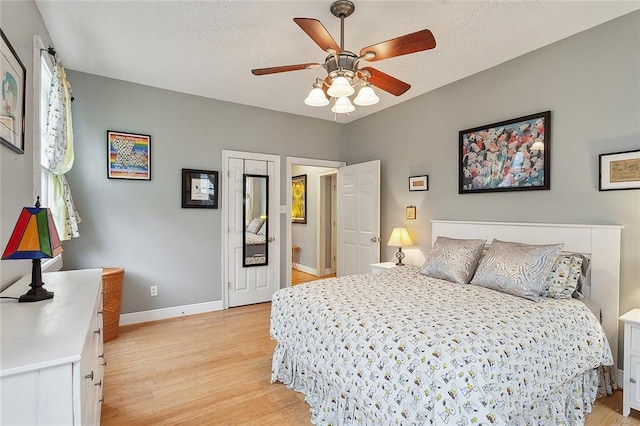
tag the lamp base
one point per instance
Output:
(399, 256)
(37, 292)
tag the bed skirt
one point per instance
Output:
(567, 404)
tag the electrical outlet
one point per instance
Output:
(154, 290)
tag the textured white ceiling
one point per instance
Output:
(208, 48)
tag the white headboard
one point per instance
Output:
(601, 242)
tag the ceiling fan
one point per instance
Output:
(343, 67)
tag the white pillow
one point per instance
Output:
(255, 225)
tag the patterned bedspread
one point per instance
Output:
(253, 239)
(401, 348)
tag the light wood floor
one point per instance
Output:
(299, 277)
(214, 369)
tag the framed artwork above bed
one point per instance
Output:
(511, 155)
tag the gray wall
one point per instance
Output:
(591, 84)
(140, 225)
(19, 22)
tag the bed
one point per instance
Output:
(402, 347)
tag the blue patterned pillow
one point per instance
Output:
(515, 268)
(453, 259)
(562, 281)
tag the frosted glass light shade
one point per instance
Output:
(343, 105)
(366, 96)
(400, 238)
(340, 88)
(316, 98)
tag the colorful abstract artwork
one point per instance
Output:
(511, 155)
(129, 156)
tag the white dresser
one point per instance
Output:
(631, 385)
(51, 357)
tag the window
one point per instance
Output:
(41, 176)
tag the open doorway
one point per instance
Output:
(312, 241)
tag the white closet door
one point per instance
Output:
(255, 284)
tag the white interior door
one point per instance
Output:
(254, 284)
(358, 218)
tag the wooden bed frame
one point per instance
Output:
(600, 242)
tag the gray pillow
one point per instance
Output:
(453, 259)
(255, 225)
(515, 268)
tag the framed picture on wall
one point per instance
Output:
(511, 155)
(419, 183)
(199, 189)
(12, 97)
(128, 156)
(299, 199)
(619, 170)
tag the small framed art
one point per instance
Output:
(512, 155)
(299, 199)
(619, 170)
(12, 96)
(411, 212)
(128, 156)
(419, 183)
(199, 189)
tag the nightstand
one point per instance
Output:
(631, 384)
(376, 268)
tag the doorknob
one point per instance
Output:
(271, 239)
(375, 239)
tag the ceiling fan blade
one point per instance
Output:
(284, 68)
(386, 82)
(318, 33)
(404, 45)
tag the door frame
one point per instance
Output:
(275, 256)
(301, 161)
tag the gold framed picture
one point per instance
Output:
(411, 212)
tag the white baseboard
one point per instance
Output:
(173, 312)
(306, 269)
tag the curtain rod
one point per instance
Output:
(52, 51)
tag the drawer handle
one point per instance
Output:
(99, 383)
(97, 332)
(103, 361)
(100, 313)
(632, 380)
(101, 400)
(89, 376)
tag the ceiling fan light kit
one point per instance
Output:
(343, 72)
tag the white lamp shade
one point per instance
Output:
(366, 96)
(400, 238)
(343, 105)
(316, 98)
(340, 88)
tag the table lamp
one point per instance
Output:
(34, 237)
(399, 238)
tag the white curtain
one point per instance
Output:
(59, 156)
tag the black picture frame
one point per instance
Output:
(12, 97)
(510, 155)
(128, 156)
(199, 189)
(619, 171)
(299, 199)
(418, 183)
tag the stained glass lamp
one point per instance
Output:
(34, 237)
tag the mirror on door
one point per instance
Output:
(255, 248)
